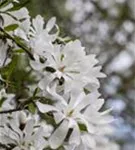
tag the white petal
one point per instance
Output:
(45, 82)
(56, 96)
(75, 136)
(97, 104)
(76, 98)
(14, 127)
(106, 120)
(50, 24)
(28, 130)
(88, 100)
(58, 117)
(89, 141)
(38, 23)
(36, 65)
(81, 147)
(44, 108)
(59, 135)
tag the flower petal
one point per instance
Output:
(59, 135)
(50, 24)
(44, 108)
(88, 141)
(75, 136)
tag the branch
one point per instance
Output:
(17, 43)
(10, 111)
(22, 106)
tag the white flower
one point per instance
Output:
(38, 25)
(97, 141)
(40, 37)
(77, 109)
(36, 36)
(22, 134)
(14, 17)
(70, 64)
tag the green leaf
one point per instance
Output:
(7, 71)
(1, 101)
(31, 108)
(5, 3)
(18, 6)
(11, 27)
(19, 50)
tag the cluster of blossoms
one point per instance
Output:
(65, 97)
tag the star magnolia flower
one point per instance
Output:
(37, 37)
(40, 38)
(38, 29)
(13, 17)
(71, 64)
(22, 134)
(96, 141)
(4, 60)
(73, 111)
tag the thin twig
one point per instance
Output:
(22, 106)
(10, 111)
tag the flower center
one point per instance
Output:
(61, 69)
(70, 113)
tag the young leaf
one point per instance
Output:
(31, 108)
(19, 50)
(5, 3)
(18, 6)
(11, 27)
